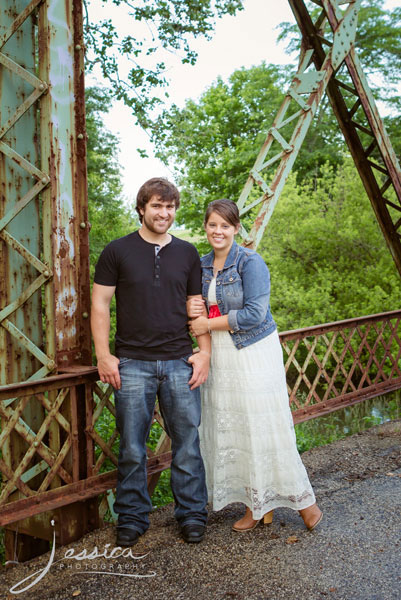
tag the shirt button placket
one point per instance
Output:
(157, 266)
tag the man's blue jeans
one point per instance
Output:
(141, 382)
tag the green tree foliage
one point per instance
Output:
(326, 254)
(108, 216)
(159, 27)
(214, 142)
(393, 124)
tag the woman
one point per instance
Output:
(247, 433)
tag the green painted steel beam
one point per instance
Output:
(19, 211)
(21, 329)
(45, 246)
(65, 223)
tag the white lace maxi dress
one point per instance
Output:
(247, 433)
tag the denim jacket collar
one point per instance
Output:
(231, 259)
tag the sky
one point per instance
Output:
(244, 40)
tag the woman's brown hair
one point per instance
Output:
(227, 209)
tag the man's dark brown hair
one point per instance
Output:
(160, 187)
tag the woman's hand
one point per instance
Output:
(196, 308)
(198, 326)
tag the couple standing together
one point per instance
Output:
(247, 450)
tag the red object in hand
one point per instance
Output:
(214, 311)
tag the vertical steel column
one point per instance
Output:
(17, 274)
(63, 151)
(44, 231)
(21, 312)
(66, 227)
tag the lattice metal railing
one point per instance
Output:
(341, 363)
(57, 396)
(103, 439)
(328, 367)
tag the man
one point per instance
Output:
(153, 274)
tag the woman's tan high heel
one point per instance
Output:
(247, 523)
(268, 518)
(311, 516)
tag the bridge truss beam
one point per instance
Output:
(328, 64)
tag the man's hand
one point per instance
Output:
(108, 370)
(196, 307)
(200, 364)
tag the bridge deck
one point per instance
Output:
(355, 554)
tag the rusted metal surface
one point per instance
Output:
(66, 242)
(75, 492)
(43, 161)
(53, 382)
(19, 205)
(328, 367)
(21, 333)
(338, 364)
(65, 203)
(83, 337)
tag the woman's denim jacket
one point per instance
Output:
(242, 293)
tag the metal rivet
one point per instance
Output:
(85, 315)
(82, 225)
(51, 364)
(46, 273)
(78, 47)
(36, 444)
(42, 86)
(44, 180)
(80, 136)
